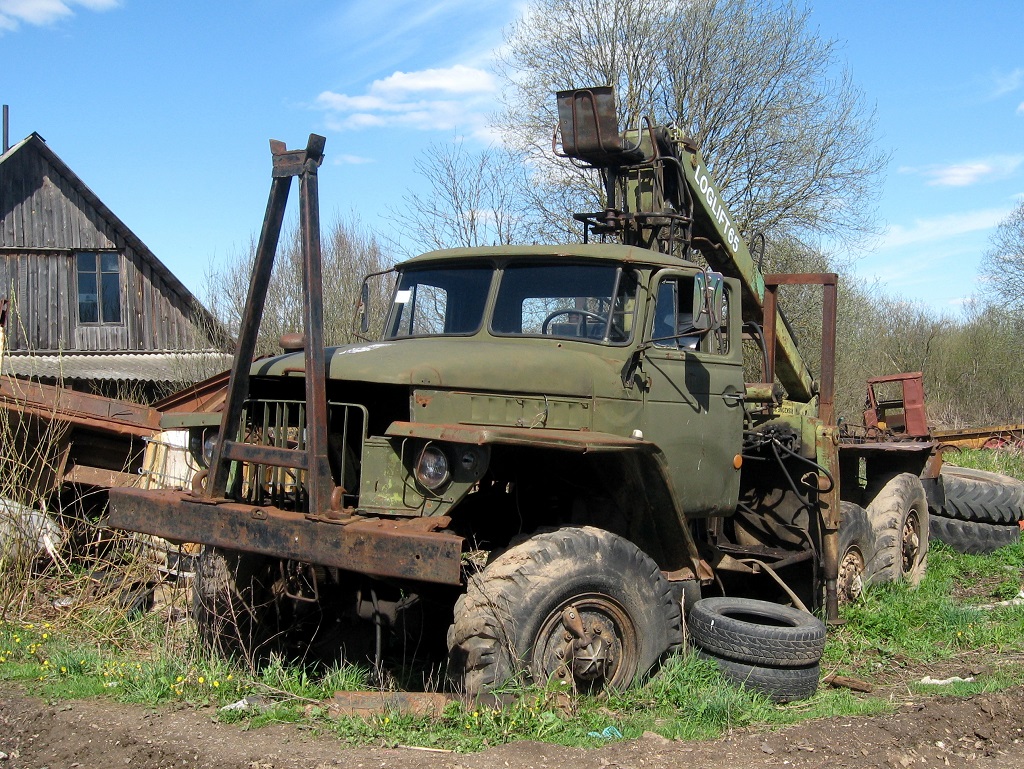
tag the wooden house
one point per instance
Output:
(86, 299)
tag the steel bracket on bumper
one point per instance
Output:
(400, 548)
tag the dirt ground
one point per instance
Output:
(985, 730)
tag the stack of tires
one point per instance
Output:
(982, 513)
(767, 647)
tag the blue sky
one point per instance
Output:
(165, 110)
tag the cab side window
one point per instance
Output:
(673, 320)
(673, 316)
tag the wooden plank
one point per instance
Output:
(48, 301)
(36, 211)
(20, 296)
(18, 213)
(147, 307)
(75, 239)
(64, 335)
(98, 476)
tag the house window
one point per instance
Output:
(99, 288)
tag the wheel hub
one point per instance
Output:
(589, 643)
(851, 575)
(911, 542)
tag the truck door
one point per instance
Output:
(692, 404)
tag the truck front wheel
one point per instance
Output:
(578, 606)
(233, 604)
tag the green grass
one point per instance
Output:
(892, 634)
(1005, 461)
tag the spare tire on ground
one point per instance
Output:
(756, 632)
(777, 684)
(974, 537)
(981, 496)
(767, 647)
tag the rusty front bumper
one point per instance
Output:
(403, 548)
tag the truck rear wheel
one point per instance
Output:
(857, 552)
(233, 605)
(899, 520)
(580, 606)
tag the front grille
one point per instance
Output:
(282, 424)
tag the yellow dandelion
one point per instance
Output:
(201, 679)
(216, 683)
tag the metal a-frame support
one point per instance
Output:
(313, 459)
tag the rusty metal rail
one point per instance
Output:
(405, 549)
(79, 409)
(994, 437)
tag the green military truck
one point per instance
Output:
(550, 456)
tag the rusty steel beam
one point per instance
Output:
(205, 396)
(285, 165)
(381, 547)
(95, 412)
(266, 455)
(320, 482)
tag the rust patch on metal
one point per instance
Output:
(387, 548)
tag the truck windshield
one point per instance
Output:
(595, 302)
(590, 302)
(440, 301)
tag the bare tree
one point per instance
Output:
(473, 198)
(349, 254)
(1003, 264)
(792, 148)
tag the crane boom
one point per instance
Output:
(660, 195)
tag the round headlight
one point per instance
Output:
(208, 445)
(432, 468)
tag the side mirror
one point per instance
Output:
(707, 300)
(364, 303)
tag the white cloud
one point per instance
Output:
(1007, 83)
(351, 160)
(1020, 108)
(943, 227)
(457, 79)
(438, 99)
(41, 12)
(968, 172)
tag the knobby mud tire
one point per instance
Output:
(756, 632)
(233, 605)
(509, 625)
(981, 496)
(777, 684)
(974, 537)
(899, 519)
(858, 553)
